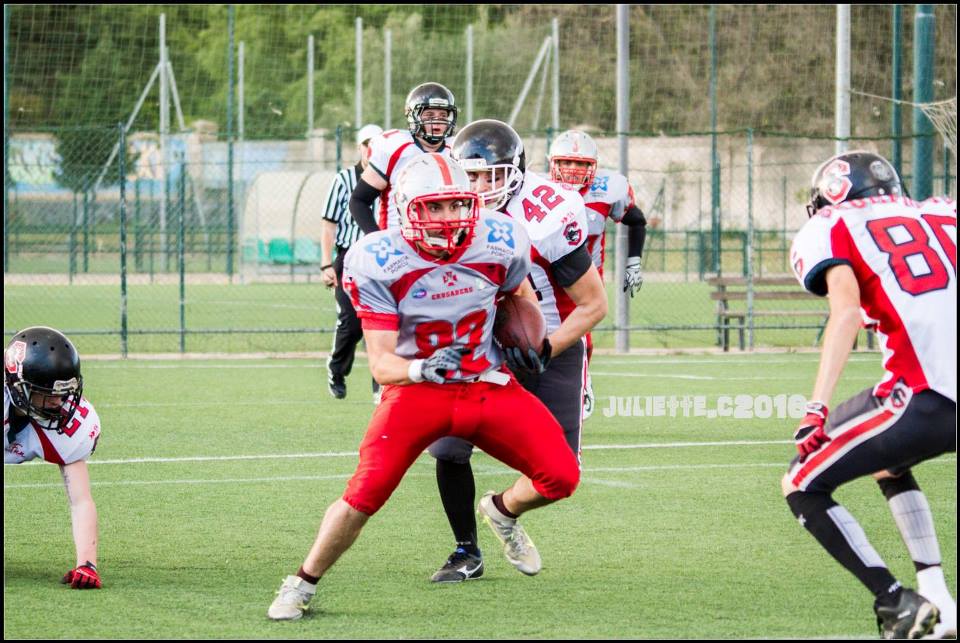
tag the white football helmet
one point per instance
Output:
(431, 178)
(573, 145)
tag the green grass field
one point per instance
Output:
(678, 529)
(303, 306)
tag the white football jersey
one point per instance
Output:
(609, 196)
(904, 255)
(435, 303)
(76, 443)
(389, 153)
(557, 225)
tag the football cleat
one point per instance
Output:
(946, 628)
(912, 617)
(461, 566)
(588, 398)
(292, 599)
(337, 386)
(517, 545)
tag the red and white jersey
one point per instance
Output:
(557, 225)
(609, 196)
(389, 152)
(76, 442)
(434, 304)
(904, 255)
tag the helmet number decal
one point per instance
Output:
(548, 197)
(13, 359)
(836, 183)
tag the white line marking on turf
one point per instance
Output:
(481, 471)
(346, 454)
(724, 378)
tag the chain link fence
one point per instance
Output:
(197, 227)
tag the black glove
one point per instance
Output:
(530, 361)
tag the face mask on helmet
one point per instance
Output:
(438, 102)
(851, 176)
(42, 371)
(495, 184)
(439, 210)
(573, 160)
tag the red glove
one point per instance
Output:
(810, 435)
(83, 577)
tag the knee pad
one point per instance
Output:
(451, 450)
(807, 503)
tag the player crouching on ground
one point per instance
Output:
(426, 295)
(45, 416)
(877, 253)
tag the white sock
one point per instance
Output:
(911, 512)
(931, 583)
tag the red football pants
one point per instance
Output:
(507, 422)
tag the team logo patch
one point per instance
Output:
(599, 184)
(449, 279)
(573, 234)
(419, 293)
(500, 232)
(62, 387)
(881, 171)
(383, 250)
(836, 184)
(13, 358)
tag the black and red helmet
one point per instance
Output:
(850, 176)
(42, 373)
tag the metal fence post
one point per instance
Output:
(230, 214)
(86, 231)
(923, 131)
(122, 157)
(749, 253)
(73, 241)
(339, 147)
(182, 252)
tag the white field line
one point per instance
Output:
(722, 378)
(481, 471)
(347, 454)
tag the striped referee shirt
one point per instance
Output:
(337, 209)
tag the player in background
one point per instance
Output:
(879, 254)
(426, 294)
(572, 299)
(45, 416)
(431, 118)
(608, 195)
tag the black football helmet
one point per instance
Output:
(491, 145)
(850, 176)
(430, 96)
(42, 370)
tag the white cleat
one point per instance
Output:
(588, 398)
(292, 599)
(517, 546)
(946, 627)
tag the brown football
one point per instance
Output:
(519, 324)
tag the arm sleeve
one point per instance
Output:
(371, 297)
(361, 206)
(636, 232)
(570, 267)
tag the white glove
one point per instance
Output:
(633, 278)
(438, 367)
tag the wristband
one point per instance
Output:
(415, 371)
(329, 265)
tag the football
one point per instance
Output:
(519, 324)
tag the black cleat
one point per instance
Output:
(911, 618)
(459, 567)
(337, 386)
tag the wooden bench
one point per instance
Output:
(730, 289)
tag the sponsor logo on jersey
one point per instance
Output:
(452, 293)
(16, 448)
(599, 184)
(500, 232)
(13, 358)
(383, 250)
(419, 293)
(573, 234)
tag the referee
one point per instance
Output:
(340, 229)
